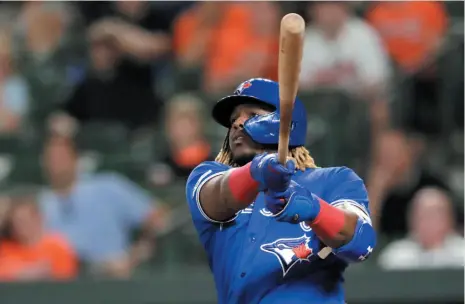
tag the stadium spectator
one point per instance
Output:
(333, 54)
(413, 33)
(432, 241)
(14, 94)
(27, 252)
(343, 52)
(396, 174)
(105, 94)
(126, 41)
(98, 212)
(48, 51)
(187, 145)
(5, 201)
(228, 41)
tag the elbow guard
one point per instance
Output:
(361, 246)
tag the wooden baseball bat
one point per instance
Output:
(290, 58)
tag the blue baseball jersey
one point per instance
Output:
(256, 259)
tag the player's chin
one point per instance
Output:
(242, 155)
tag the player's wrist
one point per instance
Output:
(329, 220)
(242, 185)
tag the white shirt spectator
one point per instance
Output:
(354, 60)
(15, 96)
(406, 254)
(14, 101)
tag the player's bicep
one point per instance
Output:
(211, 204)
(203, 196)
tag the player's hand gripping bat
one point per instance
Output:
(290, 58)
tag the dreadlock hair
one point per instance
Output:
(299, 155)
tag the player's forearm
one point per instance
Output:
(351, 236)
(342, 227)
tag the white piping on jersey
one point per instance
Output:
(353, 206)
(202, 181)
(194, 191)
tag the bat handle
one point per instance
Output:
(284, 133)
(282, 154)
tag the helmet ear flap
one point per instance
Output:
(263, 129)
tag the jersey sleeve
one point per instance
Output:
(198, 177)
(348, 191)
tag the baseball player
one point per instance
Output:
(274, 233)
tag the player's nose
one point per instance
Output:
(239, 122)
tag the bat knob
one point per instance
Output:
(293, 23)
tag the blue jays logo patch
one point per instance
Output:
(245, 85)
(290, 251)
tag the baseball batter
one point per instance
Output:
(274, 233)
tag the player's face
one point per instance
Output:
(243, 148)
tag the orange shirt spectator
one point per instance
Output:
(187, 144)
(27, 252)
(411, 30)
(239, 40)
(51, 256)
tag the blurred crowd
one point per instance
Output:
(104, 110)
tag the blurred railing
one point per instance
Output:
(195, 285)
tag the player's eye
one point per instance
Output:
(253, 115)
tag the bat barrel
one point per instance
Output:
(292, 24)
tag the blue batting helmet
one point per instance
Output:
(263, 129)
